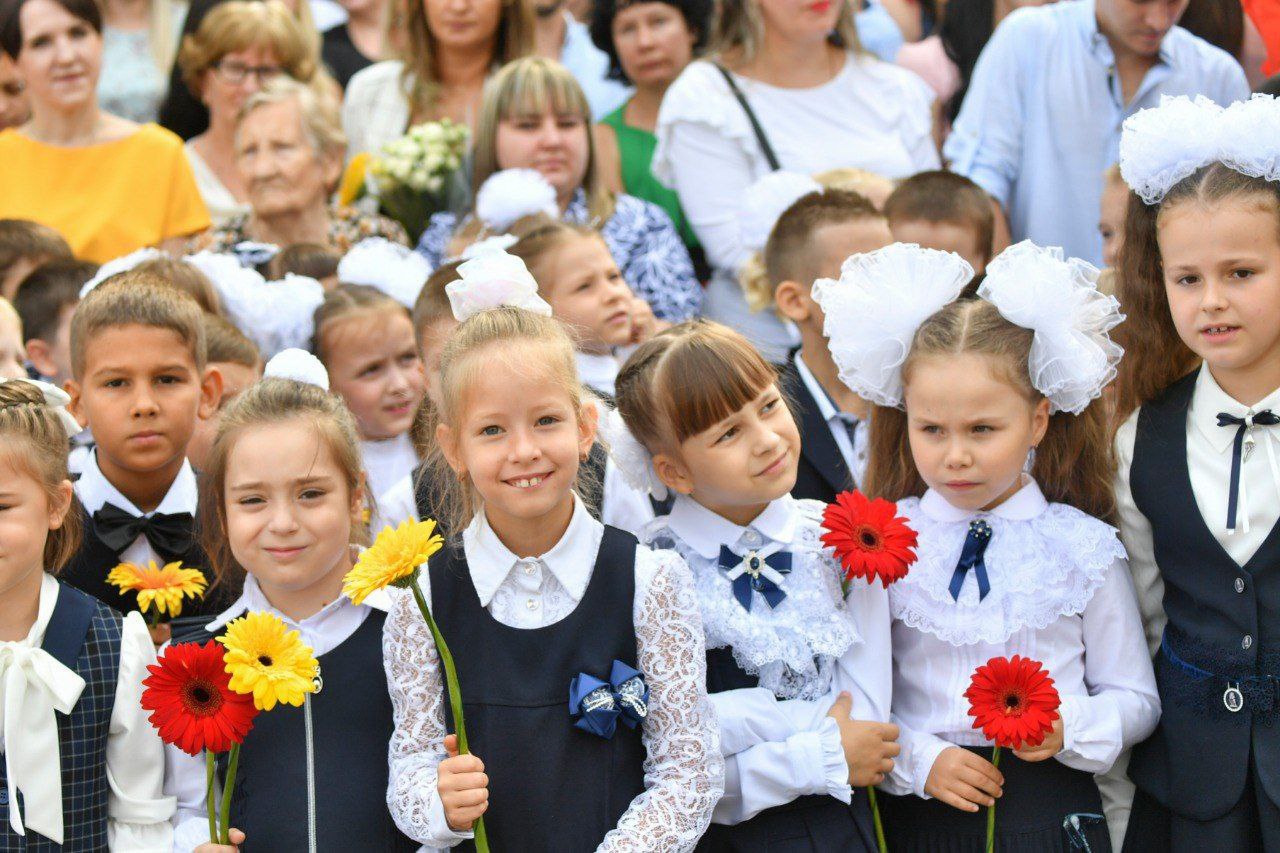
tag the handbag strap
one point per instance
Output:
(765, 147)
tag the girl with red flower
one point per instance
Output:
(799, 674)
(990, 437)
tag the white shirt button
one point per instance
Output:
(530, 568)
(1247, 642)
(532, 604)
(751, 538)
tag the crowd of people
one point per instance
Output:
(711, 281)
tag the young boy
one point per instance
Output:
(46, 300)
(811, 240)
(25, 245)
(238, 362)
(139, 382)
(943, 210)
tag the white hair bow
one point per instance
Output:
(494, 280)
(629, 456)
(57, 400)
(396, 270)
(298, 365)
(276, 315)
(512, 194)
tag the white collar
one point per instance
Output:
(598, 372)
(826, 407)
(571, 560)
(95, 491)
(1023, 505)
(1209, 399)
(387, 448)
(49, 589)
(704, 531)
(323, 630)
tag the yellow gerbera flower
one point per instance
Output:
(163, 588)
(268, 660)
(392, 559)
(352, 185)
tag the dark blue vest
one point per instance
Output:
(821, 472)
(1224, 619)
(351, 725)
(83, 635)
(552, 786)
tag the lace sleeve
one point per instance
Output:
(417, 702)
(683, 770)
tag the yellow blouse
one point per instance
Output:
(107, 200)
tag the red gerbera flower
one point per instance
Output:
(870, 540)
(192, 704)
(1013, 701)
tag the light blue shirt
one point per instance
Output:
(1042, 118)
(878, 31)
(590, 66)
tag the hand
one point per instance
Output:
(236, 836)
(964, 780)
(160, 634)
(643, 324)
(464, 787)
(1051, 746)
(869, 747)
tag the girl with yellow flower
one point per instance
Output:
(284, 511)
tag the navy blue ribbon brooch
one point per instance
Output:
(598, 705)
(756, 572)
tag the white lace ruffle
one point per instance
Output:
(396, 270)
(277, 315)
(1072, 357)
(1040, 570)
(792, 648)
(700, 96)
(629, 456)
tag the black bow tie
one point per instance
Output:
(169, 535)
(1264, 418)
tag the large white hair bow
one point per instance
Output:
(1072, 357)
(276, 315)
(513, 194)
(876, 306)
(57, 400)
(298, 365)
(396, 270)
(629, 456)
(493, 280)
(1163, 145)
(766, 200)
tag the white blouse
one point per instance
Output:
(809, 648)
(388, 461)
(222, 204)
(1060, 594)
(683, 769)
(598, 371)
(32, 685)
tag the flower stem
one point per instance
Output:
(225, 812)
(455, 695)
(875, 818)
(991, 809)
(210, 763)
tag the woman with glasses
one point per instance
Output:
(108, 185)
(238, 49)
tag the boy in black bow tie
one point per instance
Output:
(139, 382)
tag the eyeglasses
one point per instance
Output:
(235, 73)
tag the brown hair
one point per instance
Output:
(11, 21)
(22, 239)
(227, 344)
(186, 278)
(1073, 463)
(309, 259)
(273, 401)
(46, 292)
(1155, 356)
(538, 236)
(686, 379)
(431, 306)
(136, 298)
(942, 196)
(25, 419)
(235, 26)
(344, 301)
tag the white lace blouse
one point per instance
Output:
(683, 769)
(1060, 594)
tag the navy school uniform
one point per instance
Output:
(822, 471)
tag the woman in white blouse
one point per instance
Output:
(821, 103)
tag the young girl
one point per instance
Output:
(998, 458)
(703, 402)
(76, 741)
(283, 512)
(534, 598)
(1198, 484)
(365, 340)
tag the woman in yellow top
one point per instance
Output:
(108, 185)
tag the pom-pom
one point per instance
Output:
(766, 200)
(512, 194)
(396, 270)
(629, 456)
(276, 315)
(124, 263)
(298, 365)
(493, 280)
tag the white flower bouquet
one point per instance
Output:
(413, 173)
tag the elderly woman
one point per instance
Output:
(289, 153)
(108, 185)
(239, 48)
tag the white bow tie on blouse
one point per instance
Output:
(32, 686)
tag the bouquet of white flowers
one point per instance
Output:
(412, 174)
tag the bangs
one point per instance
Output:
(542, 88)
(707, 380)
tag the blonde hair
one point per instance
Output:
(8, 312)
(274, 401)
(136, 298)
(320, 121)
(238, 25)
(737, 30)
(508, 334)
(871, 186)
(1074, 463)
(421, 73)
(344, 301)
(25, 419)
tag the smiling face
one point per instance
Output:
(969, 428)
(374, 366)
(653, 42)
(1221, 264)
(586, 291)
(60, 58)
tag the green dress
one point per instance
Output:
(635, 149)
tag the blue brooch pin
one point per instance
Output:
(598, 705)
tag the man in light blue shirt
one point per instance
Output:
(1041, 121)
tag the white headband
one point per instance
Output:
(298, 365)
(396, 270)
(494, 279)
(57, 400)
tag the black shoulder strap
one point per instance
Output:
(68, 625)
(765, 147)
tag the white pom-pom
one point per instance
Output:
(1249, 134)
(876, 306)
(1162, 145)
(298, 365)
(394, 269)
(276, 315)
(1072, 357)
(629, 456)
(766, 200)
(512, 194)
(493, 280)
(497, 243)
(118, 265)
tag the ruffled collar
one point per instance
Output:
(1045, 561)
(792, 648)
